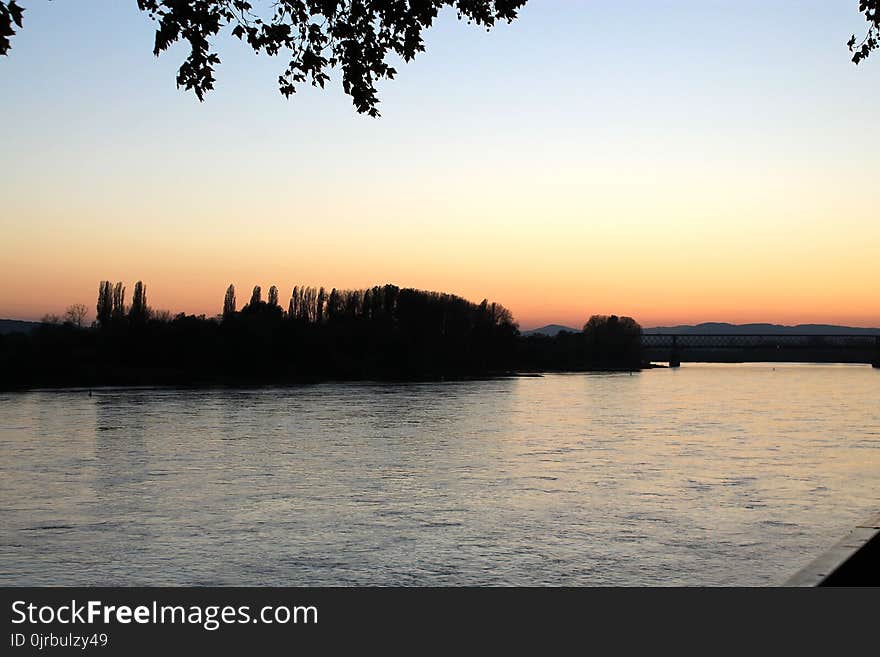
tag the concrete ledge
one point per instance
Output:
(852, 561)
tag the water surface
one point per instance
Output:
(711, 474)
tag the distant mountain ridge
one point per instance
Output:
(707, 328)
(17, 326)
(712, 328)
(719, 328)
(550, 330)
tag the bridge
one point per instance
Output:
(675, 348)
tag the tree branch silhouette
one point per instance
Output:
(355, 36)
(871, 41)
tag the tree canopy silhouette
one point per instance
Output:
(357, 36)
(871, 41)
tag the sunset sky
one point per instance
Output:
(677, 162)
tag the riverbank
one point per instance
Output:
(147, 379)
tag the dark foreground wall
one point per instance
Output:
(861, 569)
(852, 561)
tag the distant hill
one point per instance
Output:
(550, 329)
(16, 326)
(715, 328)
(712, 328)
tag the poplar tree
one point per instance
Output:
(138, 312)
(105, 303)
(256, 297)
(319, 306)
(118, 311)
(229, 301)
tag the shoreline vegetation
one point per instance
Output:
(383, 333)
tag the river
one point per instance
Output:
(705, 475)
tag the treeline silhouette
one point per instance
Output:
(382, 333)
(607, 342)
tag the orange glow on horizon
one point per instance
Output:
(753, 257)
